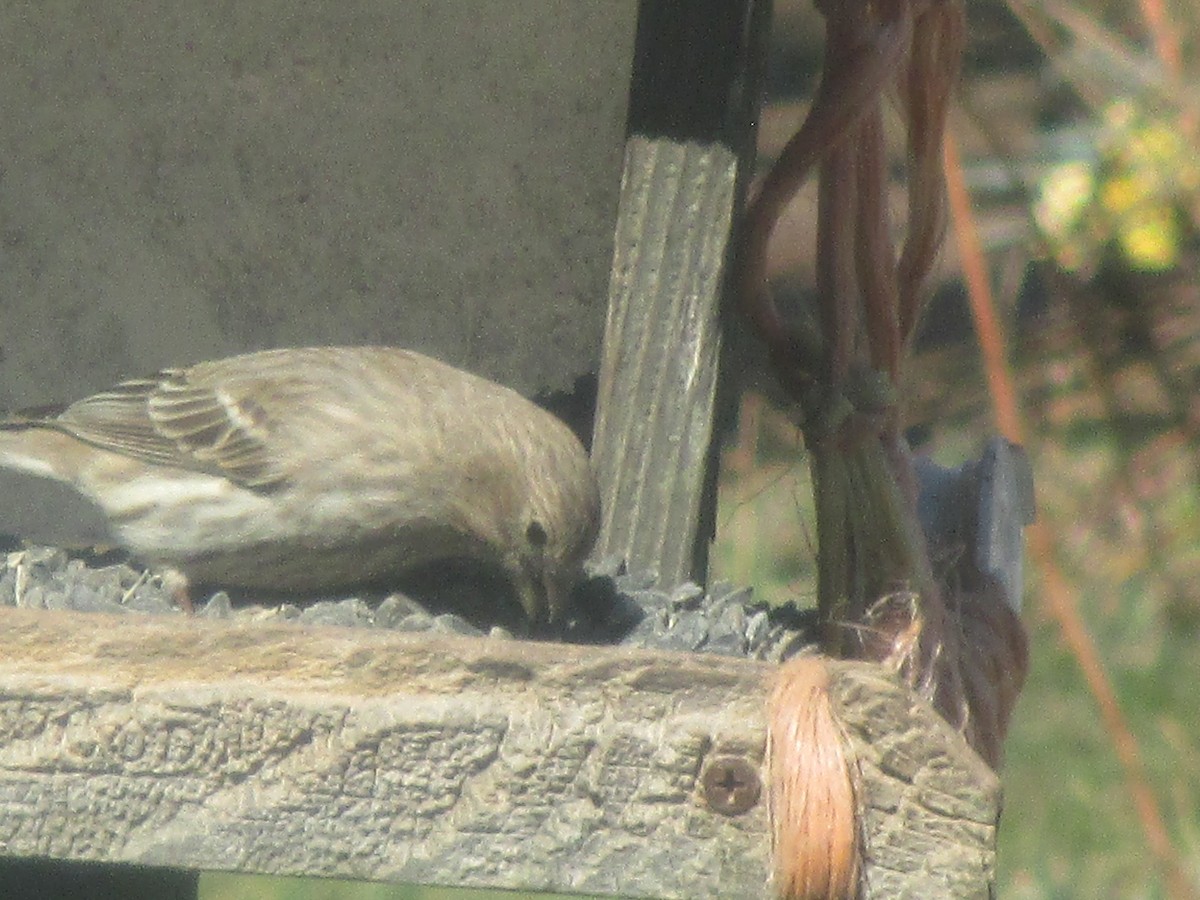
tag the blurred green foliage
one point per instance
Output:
(1126, 200)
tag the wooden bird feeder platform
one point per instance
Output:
(456, 761)
(136, 753)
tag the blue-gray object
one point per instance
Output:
(1005, 506)
(982, 505)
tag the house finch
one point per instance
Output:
(311, 469)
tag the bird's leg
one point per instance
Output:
(179, 589)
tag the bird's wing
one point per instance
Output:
(175, 420)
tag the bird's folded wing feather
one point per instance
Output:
(169, 420)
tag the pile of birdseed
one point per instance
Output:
(611, 607)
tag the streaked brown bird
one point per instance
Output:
(314, 469)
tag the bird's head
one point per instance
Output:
(557, 526)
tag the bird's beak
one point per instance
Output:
(544, 599)
(532, 595)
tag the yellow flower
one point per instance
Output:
(1120, 194)
(1149, 239)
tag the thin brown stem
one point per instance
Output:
(837, 284)
(876, 277)
(855, 77)
(933, 67)
(979, 291)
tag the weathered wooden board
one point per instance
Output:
(929, 805)
(381, 756)
(693, 103)
(374, 756)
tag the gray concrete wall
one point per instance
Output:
(181, 181)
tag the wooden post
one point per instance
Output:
(691, 140)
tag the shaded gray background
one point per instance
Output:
(182, 181)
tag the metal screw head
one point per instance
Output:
(731, 785)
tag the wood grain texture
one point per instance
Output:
(692, 113)
(659, 367)
(385, 757)
(929, 806)
(380, 756)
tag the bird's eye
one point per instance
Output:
(536, 534)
